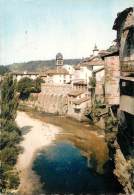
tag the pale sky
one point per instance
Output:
(38, 29)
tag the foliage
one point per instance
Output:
(92, 81)
(27, 86)
(9, 99)
(3, 70)
(10, 135)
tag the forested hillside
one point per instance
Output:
(39, 65)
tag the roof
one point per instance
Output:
(77, 67)
(59, 56)
(98, 70)
(93, 61)
(113, 53)
(43, 75)
(57, 71)
(80, 83)
(75, 93)
(127, 78)
(103, 52)
(25, 73)
(121, 16)
(81, 100)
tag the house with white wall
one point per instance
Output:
(19, 75)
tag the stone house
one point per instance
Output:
(61, 74)
(20, 75)
(96, 66)
(112, 76)
(124, 25)
(99, 75)
(78, 103)
(58, 76)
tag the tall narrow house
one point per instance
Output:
(124, 25)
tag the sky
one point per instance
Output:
(39, 29)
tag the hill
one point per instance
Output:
(39, 65)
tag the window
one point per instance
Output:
(77, 110)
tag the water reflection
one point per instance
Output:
(63, 169)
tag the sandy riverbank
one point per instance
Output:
(36, 134)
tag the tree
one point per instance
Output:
(9, 100)
(27, 86)
(10, 135)
(3, 70)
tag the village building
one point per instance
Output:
(112, 77)
(81, 74)
(78, 104)
(69, 68)
(95, 66)
(124, 25)
(65, 92)
(19, 75)
(58, 75)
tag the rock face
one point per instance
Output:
(123, 170)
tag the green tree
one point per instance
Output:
(27, 86)
(10, 135)
(3, 70)
(9, 99)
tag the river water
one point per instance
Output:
(76, 162)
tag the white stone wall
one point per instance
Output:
(82, 74)
(59, 79)
(69, 68)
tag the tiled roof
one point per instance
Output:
(93, 61)
(98, 70)
(57, 71)
(80, 83)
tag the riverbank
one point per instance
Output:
(36, 134)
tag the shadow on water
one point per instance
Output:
(25, 129)
(62, 169)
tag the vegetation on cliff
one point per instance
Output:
(10, 135)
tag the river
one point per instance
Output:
(62, 156)
(75, 162)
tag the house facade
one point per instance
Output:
(112, 77)
(19, 75)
